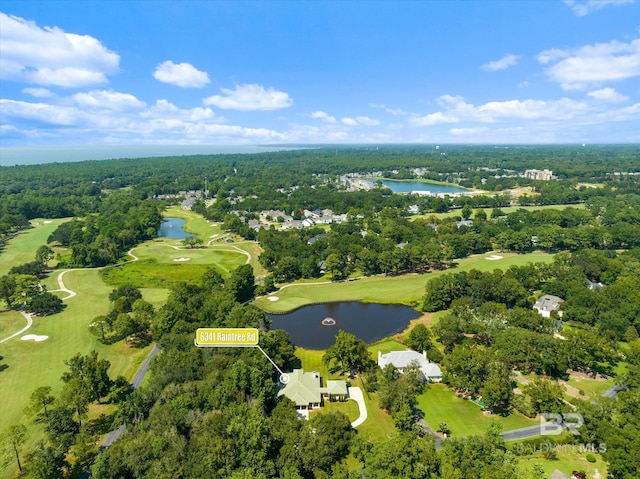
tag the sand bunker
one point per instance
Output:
(273, 298)
(33, 337)
(46, 222)
(181, 259)
(493, 257)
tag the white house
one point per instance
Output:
(547, 304)
(402, 359)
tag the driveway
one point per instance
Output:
(355, 393)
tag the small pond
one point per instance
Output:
(409, 186)
(316, 326)
(172, 228)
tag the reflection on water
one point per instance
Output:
(370, 322)
(172, 228)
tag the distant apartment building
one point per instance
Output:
(544, 175)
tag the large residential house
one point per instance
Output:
(547, 304)
(307, 392)
(402, 359)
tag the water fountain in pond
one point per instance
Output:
(328, 322)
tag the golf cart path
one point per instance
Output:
(29, 323)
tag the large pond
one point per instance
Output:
(172, 228)
(316, 326)
(409, 186)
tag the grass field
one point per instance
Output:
(31, 365)
(464, 418)
(10, 322)
(22, 248)
(407, 289)
(568, 461)
(194, 223)
(348, 408)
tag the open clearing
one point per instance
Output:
(22, 248)
(464, 418)
(570, 459)
(160, 265)
(407, 289)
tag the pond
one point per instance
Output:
(172, 228)
(409, 186)
(316, 326)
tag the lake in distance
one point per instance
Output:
(368, 321)
(409, 186)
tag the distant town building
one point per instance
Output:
(544, 175)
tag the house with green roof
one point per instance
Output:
(306, 391)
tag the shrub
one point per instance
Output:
(590, 457)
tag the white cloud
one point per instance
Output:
(366, 121)
(360, 120)
(468, 131)
(433, 119)
(502, 64)
(38, 92)
(50, 56)
(38, 112)
(110, 100)
(393, 111)
(608, 94)
(183, 75)
(456, 109)
(582, 8)
(250, 97)
(601, 62)
(321, 115)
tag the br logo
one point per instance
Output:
(551, 424)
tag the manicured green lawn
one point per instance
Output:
(379, 426)
(22, 248)
(161, 265)
(570, 459)
(407, 289)
(348, 408)
(31, 364)
(464, 418)
(10, 322)
(385, 346)
(194, 222)
(592, 387)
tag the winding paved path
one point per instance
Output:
(29, 323)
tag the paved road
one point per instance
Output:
(522, 433)
(612, 392)
(135, 384)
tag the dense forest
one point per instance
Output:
(215, 412)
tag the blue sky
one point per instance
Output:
(232, 72)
